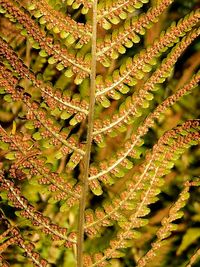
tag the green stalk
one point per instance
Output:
(80, 240)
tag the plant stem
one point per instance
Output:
(89, 140)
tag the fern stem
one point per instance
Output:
(30, 255)
(194, 257)
(89, 140)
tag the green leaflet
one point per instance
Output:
(190, 237)
(10, 156)
(3, 145)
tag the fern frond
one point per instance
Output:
(39, 115)
(76, 65)
(15, 238)
(169, 147)
(52, 98)
(85, 144)
(29, 212)
(68, 29)
(112, 12)
(57, 184)
(126, 36)
(135, 68)
(167, 226)
(101, 172)
(63, 189)
(133, 104)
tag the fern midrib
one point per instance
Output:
(117, 162)
(81, 221)
(31, 255)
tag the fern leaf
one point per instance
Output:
(152, 172)
(132, 105)
(127, 34)
(167, 226)
(84, 4)
(46, 43)
(14, 195)
(52, 98)
(68, 29)
(132, 69)
(15, 238)
(131, 145)
(57, 183)
(41, 121)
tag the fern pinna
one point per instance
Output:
(94, 121)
